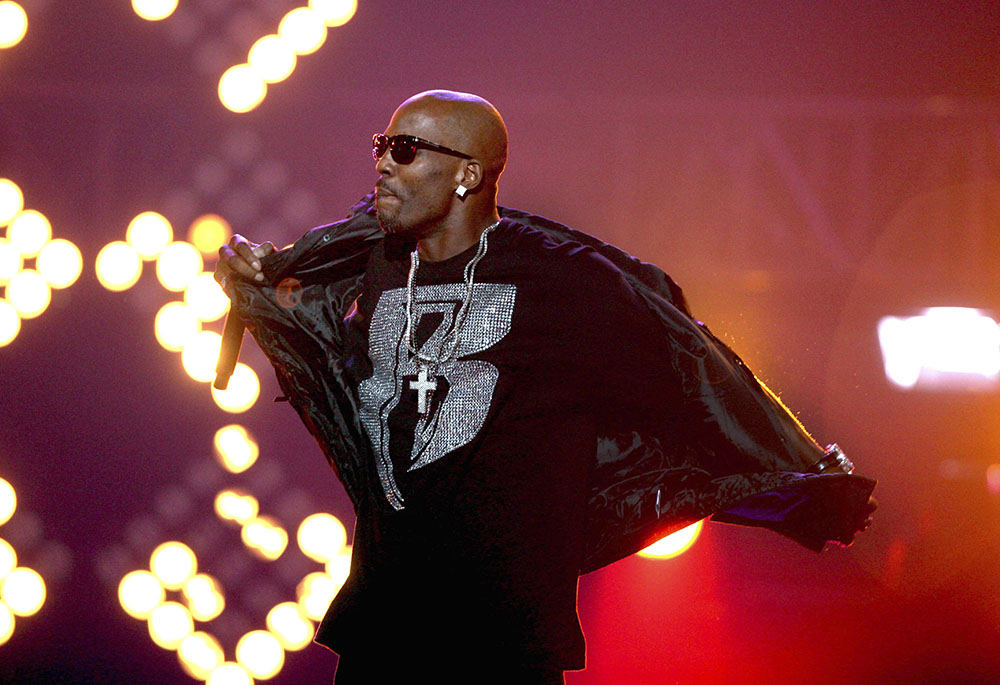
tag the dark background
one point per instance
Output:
(801, 168)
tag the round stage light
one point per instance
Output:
(263, 536)
(200, 654)
(321, 537)
(139, 592)
(177, 265)
(232, 506)
(60, 262)
(6, 623)
(8, 501)
(241, 393)
(241, 88)
(235, 449)
(201, 355)
(335, 12)
(10, 325)
(154, 10)
(229, 674)
(13, 24)
(29, 231)
(29, 293)
(173, 563)
(11, 260)
(208, 233)
(303, 30)
(8, 559)
(24, 591)
(338, 566)
(204, 598)
(149, 233)
(291, 626)
(261, 654)
(315, 592)
(118, 266)
(205, 297)
(272, 58)
(11, 201)
(674, 544)
(175, 325)
(169, 624)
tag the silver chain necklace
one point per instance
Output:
(427, 366)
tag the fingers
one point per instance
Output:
(242, 258)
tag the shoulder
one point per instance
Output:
(553, 255)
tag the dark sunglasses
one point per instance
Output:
(404, 148)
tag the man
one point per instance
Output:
(509, 403)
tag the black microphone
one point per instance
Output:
(229, 353)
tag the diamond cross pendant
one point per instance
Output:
(424, 386)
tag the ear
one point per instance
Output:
(470, 174)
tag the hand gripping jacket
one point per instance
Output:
(743, 458)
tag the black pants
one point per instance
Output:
(388, 669)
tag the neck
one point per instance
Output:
(453, 240)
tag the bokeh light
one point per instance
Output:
(321, 536)
(291, 626)
(8, 558)
(11, 260)
(8, 501)
(29, 292)
(13, 23)
(204, 598)
(272, 58)
(23, 590)
(173, 563)
(241, 393)
(261, 654)
(175, 325)
(233, 506)
(10, 322)
(315, 592)
(139, 592)
(205, 297)
(229, 674)
(241, 88)
(303, 30)
(208, 233)
(154, 10)
(338, 566)
(169, 624)
(29, 231)
(178, 264)
(118, 266)
(6, 624)
(149, 233)
(335, 12)
(674, 544)
(235, 449)
(201, 354)
(11, 200)
(60, 263)
(200, 654)
(264, 537)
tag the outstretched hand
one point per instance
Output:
(241, 258)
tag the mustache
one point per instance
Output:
(381, 189)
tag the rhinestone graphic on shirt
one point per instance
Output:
(457, 418)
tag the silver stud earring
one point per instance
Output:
(461, 190)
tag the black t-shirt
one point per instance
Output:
(471, 538)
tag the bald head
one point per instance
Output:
(461, 121)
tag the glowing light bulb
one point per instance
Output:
(232, 506)
(169, 624)
(173, 563)
(315, 592)
(175, 325)
(8, 559)
(178, 264)
(205, 599)
(24, 591)
(261, 654)
(303, 30)
(209, 232)
(200, 654)
(29, 231)
(13, 24)
(235, 449)
(8, 501)
(154, 10)
(11, 260)
(139, 592)
(321, 536)
(241, 88)
(205, 298)
(201, 354)
(11, 197)
(60, 263)
(118, 266)
(229, 674)
(674, 544)
(10, 325)
(6, 624)
(264, 537)
(272, 58)
(149, 233)
(335, 12)
(30, 294)
(241, 393)
(291, 626)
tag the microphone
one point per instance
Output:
(229, 353)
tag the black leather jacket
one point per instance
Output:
(743, 459)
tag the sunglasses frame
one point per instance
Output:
(393, 142)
